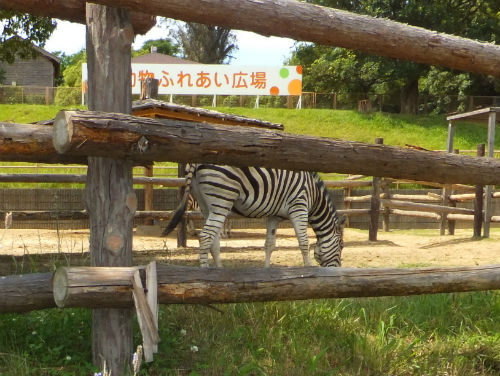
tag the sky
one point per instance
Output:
(254, 49)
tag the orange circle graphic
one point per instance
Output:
(274, 90)
(299, 69)
(295, 87)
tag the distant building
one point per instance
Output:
(157, 58)
(40, 71)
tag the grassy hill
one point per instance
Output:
(429, 132)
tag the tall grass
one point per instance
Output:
(445, 334)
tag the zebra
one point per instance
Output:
(192, 205)
(257, 192)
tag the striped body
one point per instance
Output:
(276, 194)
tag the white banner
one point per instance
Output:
(203, 79)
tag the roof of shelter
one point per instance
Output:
(481, 115)
(157, 58)
(160, 109)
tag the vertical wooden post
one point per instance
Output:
(489, 188)
(347, 193)
(375, 203)
(149, 89)
(385, 184)
(110, 199)
(452, 223)
(148, 194)
(447, 189)
(478, 201)
(182, 228)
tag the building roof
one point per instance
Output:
(157, 58)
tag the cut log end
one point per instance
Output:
(60, 287)
(62, 132)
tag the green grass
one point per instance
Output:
(429, 132)
(445, 334)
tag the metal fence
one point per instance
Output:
(66, 96)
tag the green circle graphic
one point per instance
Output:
(284, 73)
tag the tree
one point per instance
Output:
(204, 43)
(163, 46)
(476, 19)
(19, 31)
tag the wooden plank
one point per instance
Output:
(117, 135)
(489, 188)
(375, 203)
(90, 287)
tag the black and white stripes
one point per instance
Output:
(264, 192)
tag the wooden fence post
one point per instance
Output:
(489, 188)
(182, 228)
(385, 184)
(109, 195)
(451, 223)
(478, 201)
(375, 203)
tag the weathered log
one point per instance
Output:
(26, 292)
(347, 184)
(109, 196)
(460, 217)
(425, 207)
(427, 197)
(72, 10)
(417, 214)
(93, 287)
(74, 178)
(31, 143)
(143, 140)
(328, 26)
(456, 187)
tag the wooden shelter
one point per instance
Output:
(488, 115)
(157, 109)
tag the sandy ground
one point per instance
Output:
(245, 248)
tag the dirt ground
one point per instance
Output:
(245, 248)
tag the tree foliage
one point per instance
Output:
(356, 74)
(163, 46)
(19, 31)
(204, 43)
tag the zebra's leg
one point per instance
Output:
(209, 239)
(270, 245)
(299, 221)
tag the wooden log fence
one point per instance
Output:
(111, 287)
(100, 287)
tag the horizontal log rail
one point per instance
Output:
(418, 214)
(74, 178)
(425, 207)
(142, 140)
(332, 27)
(111, 287)
(26, 292)
(72, 10)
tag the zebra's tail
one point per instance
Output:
(181, 209)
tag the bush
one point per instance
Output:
(67, 96)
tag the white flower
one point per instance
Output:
(194, 348)
(68, 358)
(183, 332)
(33, 332)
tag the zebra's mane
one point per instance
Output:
(322, 187)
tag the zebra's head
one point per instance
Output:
(328, 250)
